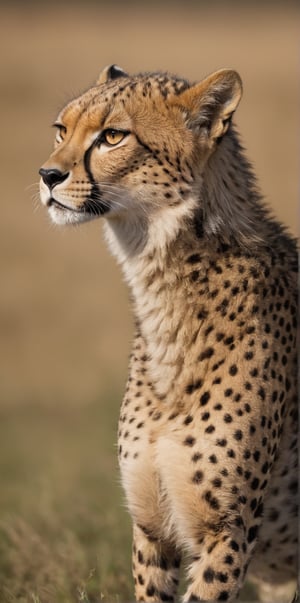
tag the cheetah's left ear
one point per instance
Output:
(210, 104)
(111, 72)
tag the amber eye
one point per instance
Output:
(113, 137)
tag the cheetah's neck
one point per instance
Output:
(153, 255)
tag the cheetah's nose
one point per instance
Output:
(52, 177)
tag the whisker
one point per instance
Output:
(35, 184)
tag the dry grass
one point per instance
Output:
(64, 318)
(64, 535)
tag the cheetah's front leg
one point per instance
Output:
(218, 567)
(155, 568)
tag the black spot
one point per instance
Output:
(248, 355)
(204, 398)
(259, 511)
(238, 435)
(141, 557)
(255, 483)
(239, 522)
(228, 560)
(234, 545)
(194, 275)
(191, 387)
(150, 590)
(213, 459)
(210, 429)
(217, 482)
(208, 575)
(202, 314)
(207, 353)
(253, 504)
(223, 596)
(233, 370)
(188, 420)
(165, 597)
(261, 392)
(252, 533)
(228, 392)
(189, 441)
(211, 547)
(218, 364)
(228, 418)
(156, 416)
(194, 258)
(205, 416)
(141, 579)
(221, 442)
(222, 577)
(236, 572)
(211, 500)
(231, 453)
(198, 477)
(196, 457)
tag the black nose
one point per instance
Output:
(53, 177)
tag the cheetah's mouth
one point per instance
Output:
(58, 205)
(90, 207)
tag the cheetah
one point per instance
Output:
(208, 423)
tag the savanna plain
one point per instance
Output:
(64, 312)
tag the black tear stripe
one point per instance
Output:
(93, 204)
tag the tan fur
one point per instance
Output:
(207, 435)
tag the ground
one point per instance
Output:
(64, 317)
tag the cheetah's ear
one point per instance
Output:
(111, 72)
(210, 104)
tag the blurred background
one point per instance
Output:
(64, 313)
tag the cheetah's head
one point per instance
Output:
(134, 146)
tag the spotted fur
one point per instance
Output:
(208, 424)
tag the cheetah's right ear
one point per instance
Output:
(210, 104)
(111, 72)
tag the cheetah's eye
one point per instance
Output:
(113, 137)
(60, 132)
